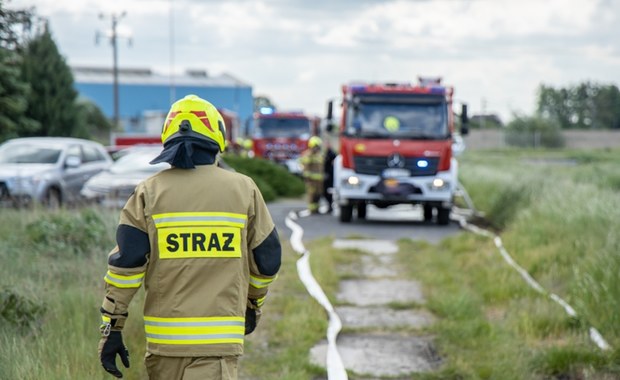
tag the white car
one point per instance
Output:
(48, 170)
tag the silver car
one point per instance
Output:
(48, 170)
(113, 187)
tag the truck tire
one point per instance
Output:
(428, 213)
(361, 210)
(443, 215)
(346, 213)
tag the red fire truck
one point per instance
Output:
(282, 136)
(396, 148)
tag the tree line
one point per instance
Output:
(587, 105)
(37, 94)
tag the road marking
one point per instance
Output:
(335, 368)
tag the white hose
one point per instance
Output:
(335, 367)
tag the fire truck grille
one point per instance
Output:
(417, 166)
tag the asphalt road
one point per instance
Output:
(393, 223)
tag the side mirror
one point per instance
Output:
(73, 162)
(464, 120)
(330, 111)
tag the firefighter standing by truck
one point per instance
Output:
(201, 240)
(313, 172)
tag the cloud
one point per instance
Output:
(300, 52)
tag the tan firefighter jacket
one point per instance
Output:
(312, 163)
(204, 246)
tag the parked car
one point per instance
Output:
(48, 170)
(113, 187)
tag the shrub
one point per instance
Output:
(65, 231)
(17, 310)
(272, 179)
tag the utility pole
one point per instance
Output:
(173, 94)
(113, 35)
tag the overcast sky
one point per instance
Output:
(494, 52)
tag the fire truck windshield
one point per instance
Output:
(400, 118)
(283, 128)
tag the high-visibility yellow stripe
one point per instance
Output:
(193, 319)
(260, 301)
(260, 283)
(213, 340)
(191, 331)
(200, 219)
(120, 281)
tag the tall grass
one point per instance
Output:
(60, 270)
(559, 217)
(52, 267)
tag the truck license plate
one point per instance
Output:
(396, 173)
(391, 182)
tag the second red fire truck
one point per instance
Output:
(282, 136)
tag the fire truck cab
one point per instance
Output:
(282, 136)
(396, 148)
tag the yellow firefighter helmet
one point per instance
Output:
(196, 117)
(315, 141)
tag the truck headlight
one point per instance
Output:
(352, 181)
(439, 184)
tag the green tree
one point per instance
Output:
(92, 122)
(554, 105)
(261, 101)
(52, 99)
(15, 26)
(585, 106)
(13, 98)
(606, 107)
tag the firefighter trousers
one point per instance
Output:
(191, 368)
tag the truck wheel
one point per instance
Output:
(361, 210)
(428, 213)
(443, 215)
(346, 213)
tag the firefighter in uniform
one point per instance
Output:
(312, 172)
(202, 242)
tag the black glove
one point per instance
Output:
(109, 347)
(250, 320)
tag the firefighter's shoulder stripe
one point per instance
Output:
(178, 219)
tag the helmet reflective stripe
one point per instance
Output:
(193, 116)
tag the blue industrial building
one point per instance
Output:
(145, 97)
